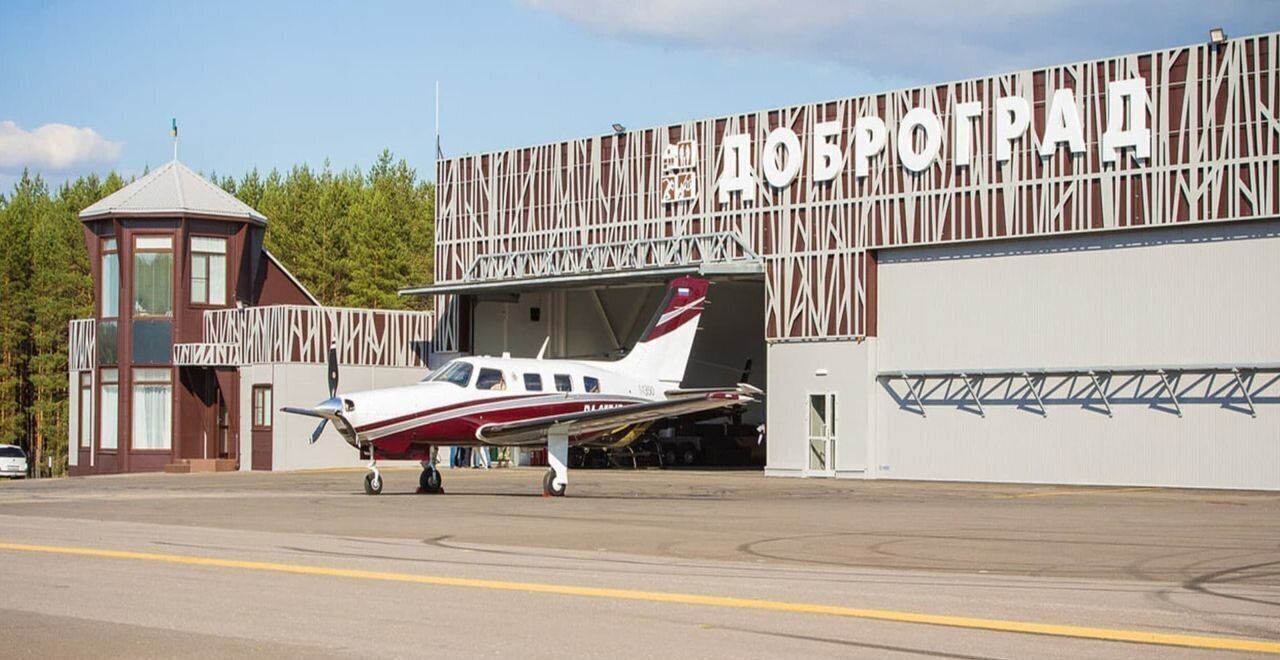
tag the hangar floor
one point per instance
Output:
(633, 564)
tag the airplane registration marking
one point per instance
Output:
(994, 625)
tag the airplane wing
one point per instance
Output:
(534, 431)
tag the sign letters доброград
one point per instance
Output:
(780, 159)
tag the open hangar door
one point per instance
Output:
(603, 321)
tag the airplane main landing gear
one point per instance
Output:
(557, 478)
(430, 480)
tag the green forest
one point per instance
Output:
(352, 236)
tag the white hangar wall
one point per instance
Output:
(797, 370)
(1185, 296)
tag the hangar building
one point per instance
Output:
(1062, 275)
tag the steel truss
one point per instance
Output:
(1099, 380)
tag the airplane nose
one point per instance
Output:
(329, 407)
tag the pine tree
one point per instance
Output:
(250, 189)
(60, 275)
(16, 308)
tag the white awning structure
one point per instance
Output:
(744, 270)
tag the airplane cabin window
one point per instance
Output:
(533, 382)
(591, 384)
(490, 379)
(457, 373)
(563, 383)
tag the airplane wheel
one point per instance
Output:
(429, 481)
(372, 484)
(688, 455)
(549, 487)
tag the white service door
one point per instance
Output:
(822, 434)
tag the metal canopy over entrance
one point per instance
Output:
(737, 270)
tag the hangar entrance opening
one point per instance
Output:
(603, 322)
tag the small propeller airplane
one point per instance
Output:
(486, 401)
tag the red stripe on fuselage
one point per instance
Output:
(412, 443)
(373, 426)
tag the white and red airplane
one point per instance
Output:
(486, 401)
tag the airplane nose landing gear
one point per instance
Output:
(373, 481)
(549, 487)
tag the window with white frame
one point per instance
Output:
(86, 409)
(153, 276)
(109, 408)
(152, 408)
(262, 407)
(208, 270)
(110, 297)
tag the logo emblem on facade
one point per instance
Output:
(679, 181)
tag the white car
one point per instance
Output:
(13, 461)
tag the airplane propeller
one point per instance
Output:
(333, 390)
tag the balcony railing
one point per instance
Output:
(302, 334)
(82, 349)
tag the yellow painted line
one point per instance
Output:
(995, 625)
(1082, 491)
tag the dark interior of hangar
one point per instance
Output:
(602, 323)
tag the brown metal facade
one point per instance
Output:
(585, 205)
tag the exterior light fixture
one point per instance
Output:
(619, 129)
(1217, 36)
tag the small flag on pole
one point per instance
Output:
(175, 127)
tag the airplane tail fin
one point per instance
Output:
(663, 349)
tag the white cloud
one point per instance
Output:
(53, 147)
(926, 39)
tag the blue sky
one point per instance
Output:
(272, 84)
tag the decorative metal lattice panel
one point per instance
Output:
(1211, 111)
(302, 334)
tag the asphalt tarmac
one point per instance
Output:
(641, 564)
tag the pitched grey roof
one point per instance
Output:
(172, 190)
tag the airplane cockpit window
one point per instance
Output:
(533, 382)
(591, 384)
(490, 379)
(456, 372)
(564, 383)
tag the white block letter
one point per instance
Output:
(1013, 115)
(780, 169)
(963, 129)
(736, 176)
(827, 159)
(868, 140)
(1062, 124)
(1133, 93)
(918, 161)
